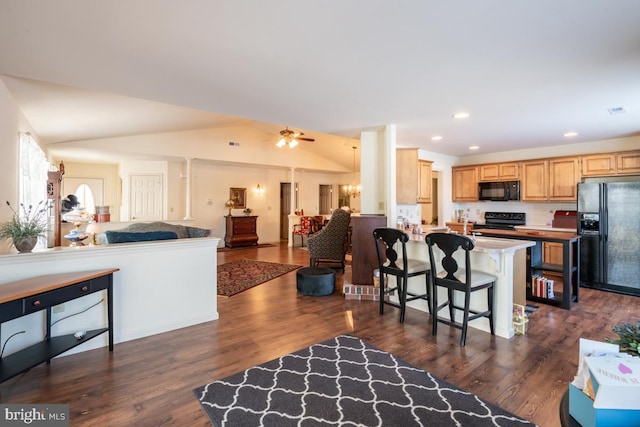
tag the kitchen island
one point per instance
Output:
(504, 258)
(570, 261)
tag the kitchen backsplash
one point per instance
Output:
(537, 213)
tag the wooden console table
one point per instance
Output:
(28, 296)
(241, 231)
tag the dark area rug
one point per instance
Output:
(237, 276)
(344, 381)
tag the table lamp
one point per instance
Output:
(93, 229)
(230, 204)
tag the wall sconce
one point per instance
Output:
(259, 189)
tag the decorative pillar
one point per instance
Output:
(188, 192)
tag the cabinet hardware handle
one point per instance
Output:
(84, 288)
(36, 303)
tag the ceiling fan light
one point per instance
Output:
(293, 143)
(281, 143)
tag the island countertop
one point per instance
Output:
(486, 244)
(553, 236)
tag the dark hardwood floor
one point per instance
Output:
(149, 382)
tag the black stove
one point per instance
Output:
(502, 220)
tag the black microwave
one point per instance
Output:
(499, 190)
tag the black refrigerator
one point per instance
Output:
(609, 228)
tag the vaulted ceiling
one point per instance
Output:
(526, 72)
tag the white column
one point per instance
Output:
(187, 199)
(292, 204)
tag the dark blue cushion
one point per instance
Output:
(127, 236)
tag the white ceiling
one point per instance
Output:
(526, 71)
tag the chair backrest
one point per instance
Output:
(388, 242)
(449, 243)
(332, 237)
(339, 222)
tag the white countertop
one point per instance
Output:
(490, 245)
(545, 228)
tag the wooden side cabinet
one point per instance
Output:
(364, 258)
(241, 231)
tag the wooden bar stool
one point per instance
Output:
(389, 241)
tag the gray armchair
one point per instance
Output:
(329, 245)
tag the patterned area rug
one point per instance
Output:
(237, 276)
(344, 381)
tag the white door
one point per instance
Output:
(146, 197)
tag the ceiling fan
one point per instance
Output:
(291, 138)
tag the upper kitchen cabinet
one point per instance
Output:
(465, 184)
(499, 172)
(598, 164)
(628, 162)
(413, 178)
(564, 175)
(550, 180)
(609, 164)
(535, 178)
(425, 179)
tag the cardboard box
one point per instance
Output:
(581, 408)
(616, 387)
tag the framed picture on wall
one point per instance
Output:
(239, 197)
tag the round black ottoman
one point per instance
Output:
(316, 281)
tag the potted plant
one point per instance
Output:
(628, 338)
(25, 226)
(247, 211)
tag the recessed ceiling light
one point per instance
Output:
(461, 115)
(474, 147)
(436, 138)
(570, 134)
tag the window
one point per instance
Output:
(343, 198)
(33, 172)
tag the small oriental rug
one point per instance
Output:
(237, 276)
(344, 381)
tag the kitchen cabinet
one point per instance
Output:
(564, 175)
(413, 178)
(628, 162)
(424, 182)
(534, 184)
(552, 252)
(465, 184)
(241, 231)
(550, 180)
(499, 172)
(598, 164)
(458, 227)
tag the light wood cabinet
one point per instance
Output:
(534, 186)
(465, 184)
(598, 164)
(499, 172)
(424, 181)
(564, 175)
(550, 180)
(552, 253)
(458, 227)
(628, 162)
(413, 178)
